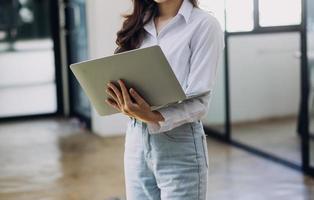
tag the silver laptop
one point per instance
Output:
(146, 69)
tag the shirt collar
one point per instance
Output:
(185, 10)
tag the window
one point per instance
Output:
(217, 8)
(240, 15)
(280, 12)
(243, 16)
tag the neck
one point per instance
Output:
(169, 8)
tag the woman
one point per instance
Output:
(165, 150)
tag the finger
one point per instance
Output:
(117, 93)
(113, 104)
(110, 92)
(126, 96)
(139, 100)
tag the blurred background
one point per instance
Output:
(260, 126)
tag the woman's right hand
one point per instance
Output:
(113, 102)
(139, 108)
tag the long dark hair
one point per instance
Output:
(132, 32)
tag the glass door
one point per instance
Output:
(28, 60)
(75, 32)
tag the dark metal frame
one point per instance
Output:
(304, 113)
(305, 91)
(54, 21)
(72, 113)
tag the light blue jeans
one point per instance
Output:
(172, 165)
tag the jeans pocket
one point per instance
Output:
(183, 133)
(205, 151)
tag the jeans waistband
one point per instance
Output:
(136, 121)
(141, 123)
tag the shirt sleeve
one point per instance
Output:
(206, 45)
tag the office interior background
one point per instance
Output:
(260, 126)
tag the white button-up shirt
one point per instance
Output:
(192, 42)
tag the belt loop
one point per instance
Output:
(134, 121)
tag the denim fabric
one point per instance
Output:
(172, 165)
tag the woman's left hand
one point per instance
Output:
(121, 100)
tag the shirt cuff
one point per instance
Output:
(177, 114)
(162, 126)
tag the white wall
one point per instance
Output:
(104, 20)
(264, 75)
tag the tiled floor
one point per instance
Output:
(56, 160)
